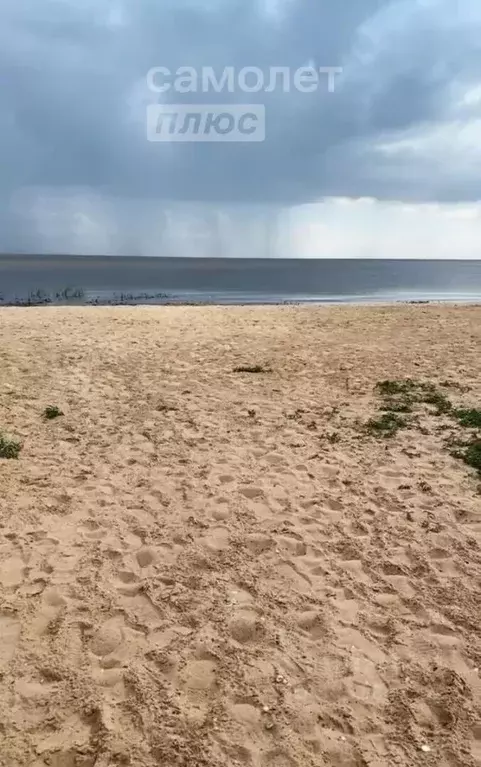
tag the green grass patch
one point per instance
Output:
(397, 406)
(401, 396)
(468, 417)
(439, 400)
(387, 425)
(391, 388)
(455, 385)
(9, 447)
(468, 451)
(472, 456)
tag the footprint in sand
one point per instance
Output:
(141, 609)
(300, 580)
(9, 633)
(127, 582)
(50, 613)
(438, 553)
(278, 758)
(258, 543)
(198, 681)
(12, 572)
(246, 715)
(146, 556)
(250, 491)
(93, 531)
(217, 539)
(443, 630)
(127, 576)
(56, 748)
(222, 513)
(292, 546)
(313, 623)
(226, 479)
(108, 638)
(33, 692)
(199, 676)
(246, 627)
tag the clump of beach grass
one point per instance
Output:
(391, 388)
(470, 453)
(401, 396)
(397, 406)
(51, 412)
(387, 425)
(468, 417)
(252, 369)
(439, 400)
(455, 385)
(472, 456)
(9, 447)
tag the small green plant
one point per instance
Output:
(9, 447)
(163, 408)
(51, 412)
(387, 425)
(397, 406)
(251, 369)
(455, 385)
(472, 456)
(440, 401)
(470, 417)
(390, 388)
(425, 487)
(400, 396)
(333, 437)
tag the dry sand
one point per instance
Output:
(194, 570)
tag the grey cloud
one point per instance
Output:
(74, 96)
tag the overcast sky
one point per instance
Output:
(387, 165)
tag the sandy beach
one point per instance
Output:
(203, 568)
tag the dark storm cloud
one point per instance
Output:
(74, 94)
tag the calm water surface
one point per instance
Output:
(242, 280)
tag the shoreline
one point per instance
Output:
(300, 304)
(28, 303)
